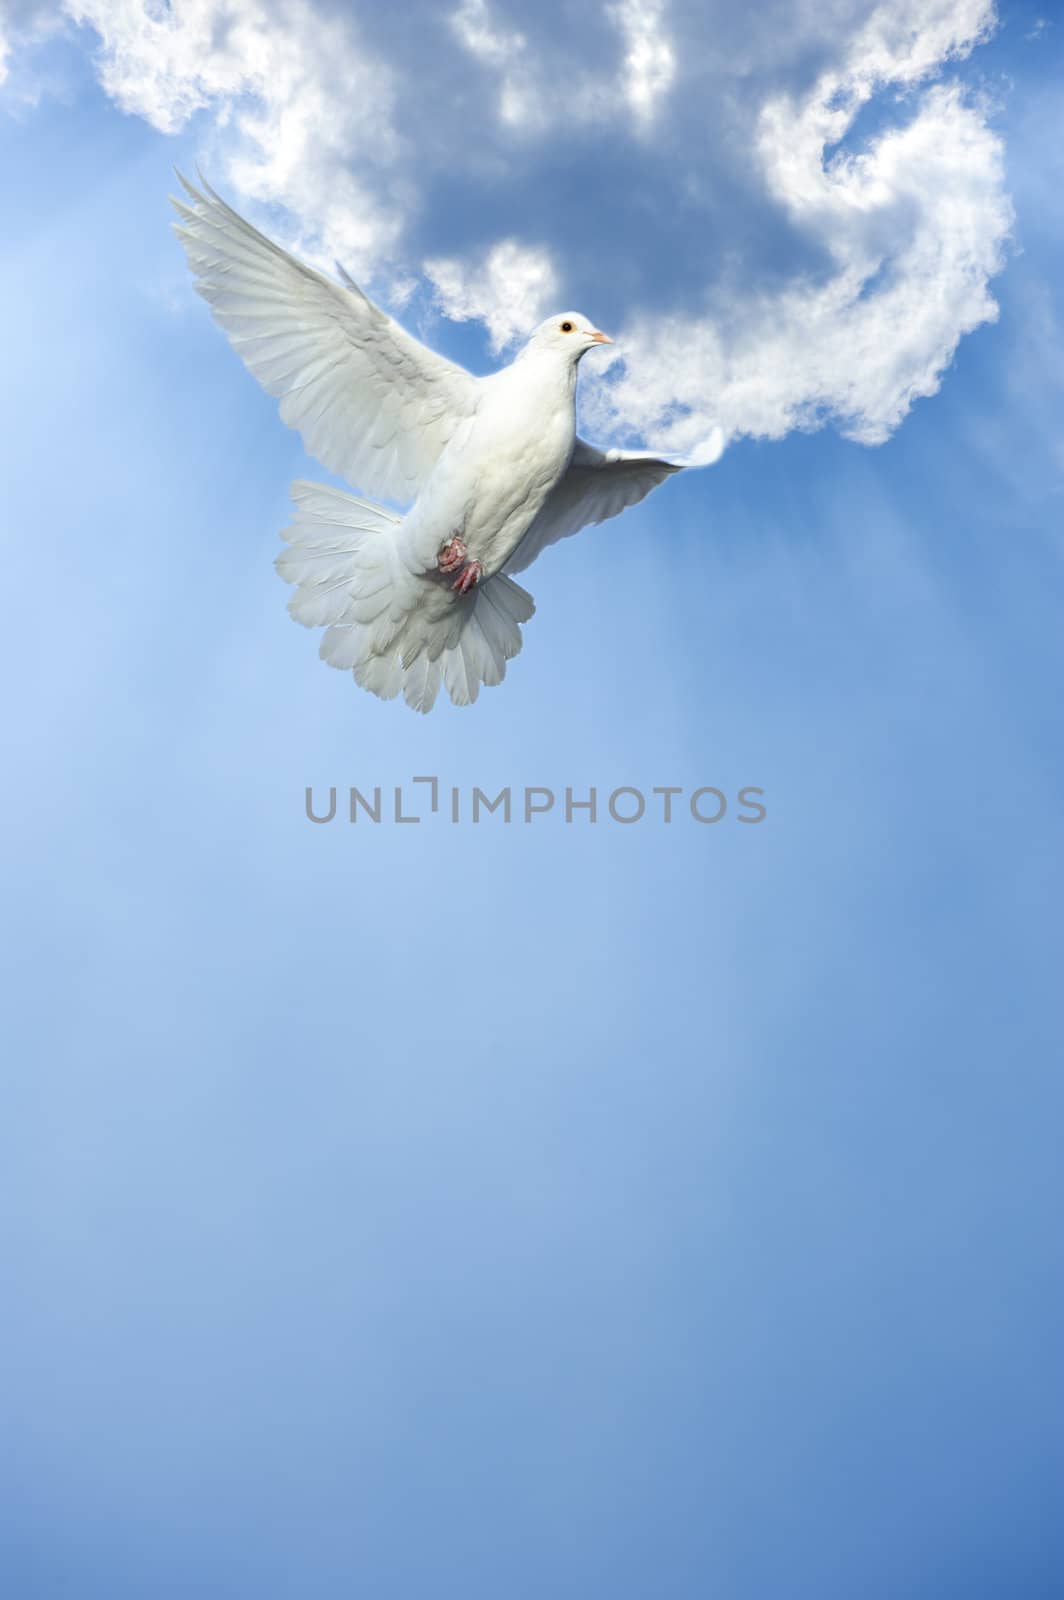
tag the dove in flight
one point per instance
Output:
(491, 469)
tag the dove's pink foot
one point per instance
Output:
(468, 578)
(452, 555)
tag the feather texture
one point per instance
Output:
(344, 562)
(597, 485)
(371, 403)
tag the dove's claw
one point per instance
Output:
(452, 555)
(468, 578)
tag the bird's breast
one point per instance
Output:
(515, 456)
(497, 470)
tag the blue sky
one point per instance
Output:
(557, 1209)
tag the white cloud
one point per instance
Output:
(534, 93)
(908, 226)
(505, 51)
(24, 24)
(483, 37)
(510, 290)
(915, 226)
(650, 61)
(307, 111)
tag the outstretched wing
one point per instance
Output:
(597, 485)
(371, 403)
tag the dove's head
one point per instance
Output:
(569, 334)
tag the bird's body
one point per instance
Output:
(496, 472)
(493, 466)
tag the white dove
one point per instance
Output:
(493, 466)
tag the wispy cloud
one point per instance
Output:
(914, 224)
(504, 50)
(509, 290)
(535, 93)
(649, 62)
(303, 111)
(24, 24)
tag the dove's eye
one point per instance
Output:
(567, 327)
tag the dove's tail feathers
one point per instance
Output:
(397, 630)
(342, 556)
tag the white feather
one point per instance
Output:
(326, 352)
(343, 559)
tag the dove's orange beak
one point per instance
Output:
(600, 338)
